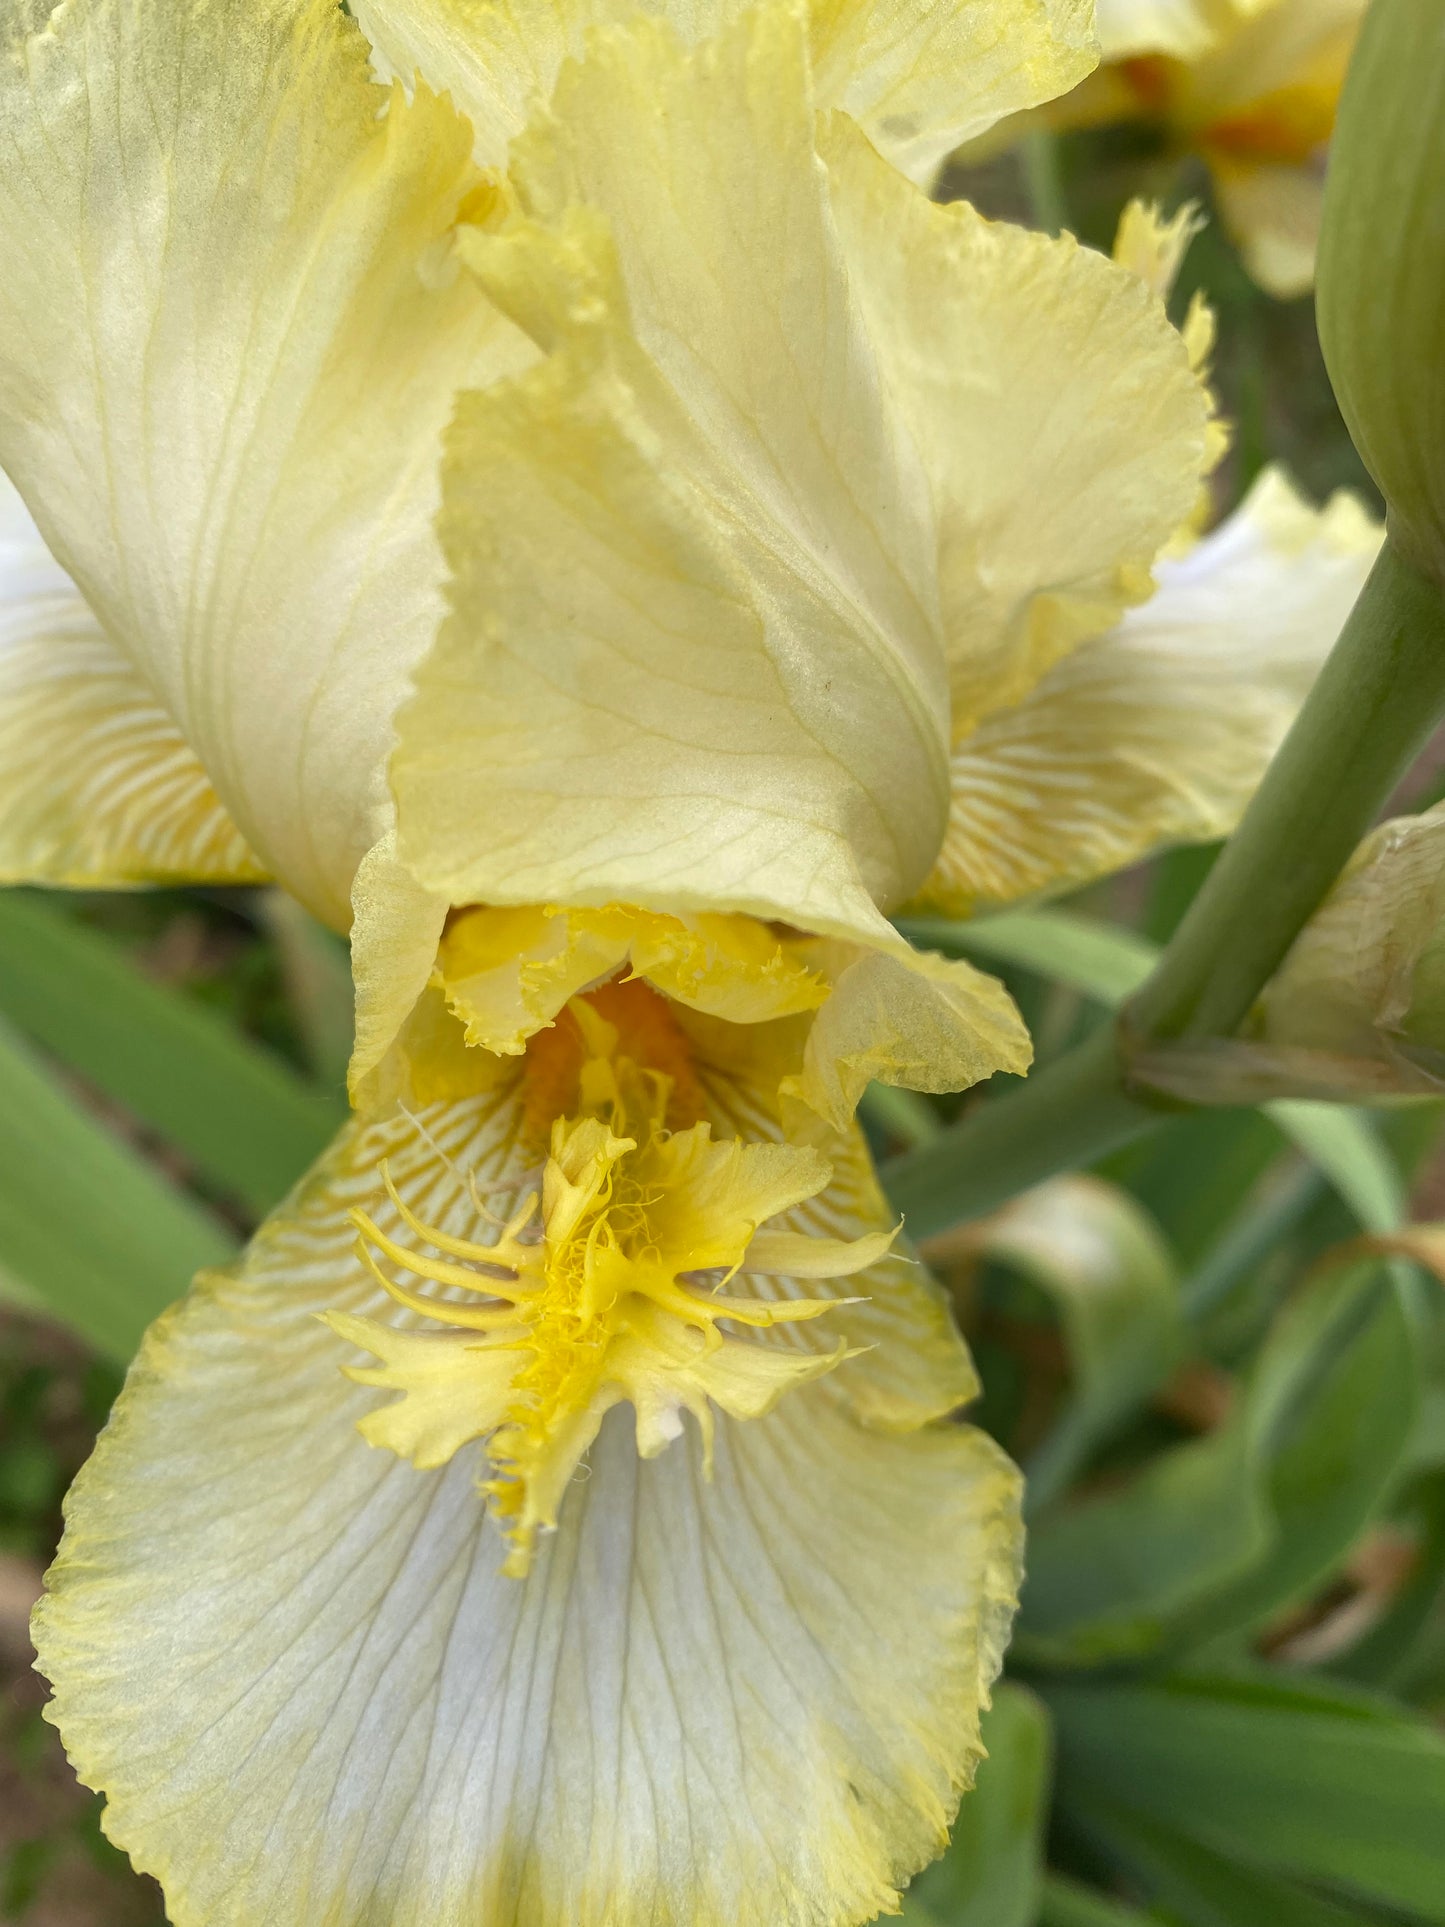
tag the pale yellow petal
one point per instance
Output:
(97, 786)
(495, 58)
(1273, 214)
(1153, 248)
(395, 929)
(800, 1256)
(732, 967)
(229, 339)
(715, 1195)
(294, 1666)
(1152, 245)
(922, 77)
(1160, 731)
(454, 1389)
(915, 1369)
(1062, 427)
(1261, 106)
(919, 75)
(907, 1017)
(1273, 72)
(1183, 28)
(694, 661)
(507, 973)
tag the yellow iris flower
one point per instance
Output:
(604, 537)
(1252, 86)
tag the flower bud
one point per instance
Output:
(1381, 299)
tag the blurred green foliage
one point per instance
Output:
(169, 1064)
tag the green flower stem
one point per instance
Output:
(1065, 1116)
(1044, 179)
(1373, 707)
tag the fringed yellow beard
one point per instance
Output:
(607, 1282)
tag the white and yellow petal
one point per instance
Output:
(1062, 428)
(229, 341)
(1159, 731)
(919, 75)
(749, 1701)
(97, 786)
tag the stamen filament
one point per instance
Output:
(507, 1286)
(460, 1247)
(464, 1316)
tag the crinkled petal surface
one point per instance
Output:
(1159, 731)
(294, 1666)
(229, 342)
(1061, 426)
(97, 785)
(694, 659)
(507, 973)
(906, 1017)
(919, 75)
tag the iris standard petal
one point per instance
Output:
(919, 75)
(694, 659)
(1060, 424)
(97, 785)
(1159, 731)
(293, 1662)
(229, 340)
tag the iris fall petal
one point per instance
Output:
(293, 1662)
(97, 785)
